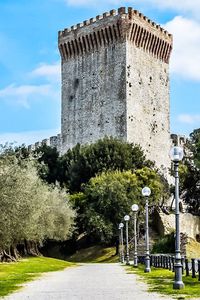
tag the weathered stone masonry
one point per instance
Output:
(115, 82)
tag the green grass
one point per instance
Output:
(13, 275)
(161, 281)
(95, 254)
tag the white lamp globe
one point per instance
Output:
(134, 207)
(146, 191)
(126, 218)
(176, 153)
(121, 225)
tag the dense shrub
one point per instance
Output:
(165, 244)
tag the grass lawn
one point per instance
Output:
(161, 281)
(95, 254)
(13, 275)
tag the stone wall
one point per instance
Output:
(189, 224)
(148, 105)
(93, 103)
(115, 82)
(53, 141)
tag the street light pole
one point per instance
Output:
(126, 219)
(120, 250)
(121, 225)
(176, 154)
(146, 192)
(135, 208)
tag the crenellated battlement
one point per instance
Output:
(115, 26)
(53, 141)
(91, 21)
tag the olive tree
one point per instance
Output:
(31, 210)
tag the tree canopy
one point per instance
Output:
(109, 196)
(195, 146)
(81, 163)
(103, 178)
(190, 174)
(30, 209)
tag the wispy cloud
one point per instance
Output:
(186, 52)
(51, 72)
(24, 94)
(189, 119)
(186, 6)
(27, 137)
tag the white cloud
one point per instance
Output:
(186, 51)
(24, 94)
(51, 72)
(189, 119)
(186, 6)
(27, 137)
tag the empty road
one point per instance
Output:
(87, 282)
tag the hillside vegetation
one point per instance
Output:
(95, 254)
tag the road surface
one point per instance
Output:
(87, 282)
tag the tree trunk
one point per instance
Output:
(14, 252)
(32, 249)
(7, 257)
(37, 250)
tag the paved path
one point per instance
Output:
(87, 282)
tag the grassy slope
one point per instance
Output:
(95, 254)
(161, 281)
(12, 275)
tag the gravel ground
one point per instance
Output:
(87, 282)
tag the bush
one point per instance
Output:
(165, 244)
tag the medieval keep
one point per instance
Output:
(115, 82)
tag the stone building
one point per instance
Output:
(115, 82)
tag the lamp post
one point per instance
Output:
(176, 155)
(126, 219)
(119, 243)
(120, 248)
(121, 225)
(135, 208)
(146, 192)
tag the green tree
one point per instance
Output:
(194, 145)
(190, 174)
(109, 196)
(191, 188)
(31, 210)
(49, 167)
(84, 162)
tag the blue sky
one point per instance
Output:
(30, 62)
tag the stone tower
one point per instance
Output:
(115, 82)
